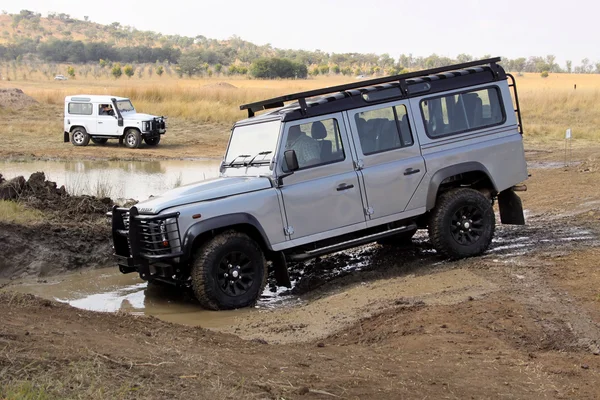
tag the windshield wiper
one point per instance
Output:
(262, 153)
(240, 156)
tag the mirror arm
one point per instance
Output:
(280, 178)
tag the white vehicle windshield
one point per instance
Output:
(250, 142)
(125, 106)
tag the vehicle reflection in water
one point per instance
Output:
(116, 179)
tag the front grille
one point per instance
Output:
(125, 217)
(158, 237)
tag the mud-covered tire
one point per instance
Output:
(99, 140)
(132, 138)
(401, 239)
(462, 224)
(152, 141)
(213, 270)
(80, 137)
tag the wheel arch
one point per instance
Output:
(457, 175)
(207, 229)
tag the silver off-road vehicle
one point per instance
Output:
(337, 168)
(99, 118)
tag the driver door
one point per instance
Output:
(322, 197)
(106, 124)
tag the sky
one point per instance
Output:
(509, 28)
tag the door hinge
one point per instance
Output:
(369, 211)
(359, 164)
(289, 230)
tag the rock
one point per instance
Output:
(585, 366)
(320, 344)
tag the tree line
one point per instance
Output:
(200, 55)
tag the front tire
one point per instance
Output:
(132, 138)
(462, 224)
(80, 137)
(152, 141)
(228, 272)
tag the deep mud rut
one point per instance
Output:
(522, 321)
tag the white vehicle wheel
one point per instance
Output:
(79, 137)
(132, 139)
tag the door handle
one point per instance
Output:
(344, 186)
(99, 122)
(410, 171)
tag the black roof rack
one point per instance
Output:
(302, 96)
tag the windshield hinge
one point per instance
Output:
(369, 211)
(289, 230)
(359, 164)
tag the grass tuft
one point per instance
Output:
(13, 212)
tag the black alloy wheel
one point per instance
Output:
(236, 273)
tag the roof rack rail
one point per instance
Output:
(302, 96)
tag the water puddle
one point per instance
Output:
(551, 164)
(117, 179)
(107, 290)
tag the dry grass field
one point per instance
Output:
(201, 111)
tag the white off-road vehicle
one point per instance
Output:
(99, 118)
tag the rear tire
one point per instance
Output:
(80, 137)
(132, 138)
(99, 140)
(462, 224)
(228, 272)
(152, 141)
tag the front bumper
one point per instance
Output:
(148, 244)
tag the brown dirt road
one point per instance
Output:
(521, 322)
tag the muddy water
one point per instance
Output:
(107, 290)
(117, 179)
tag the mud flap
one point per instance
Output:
(511, 208)
(66, 137)
(280, 269)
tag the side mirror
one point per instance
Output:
(291, 161)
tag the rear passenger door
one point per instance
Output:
(389, 158)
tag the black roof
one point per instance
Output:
(373, 91)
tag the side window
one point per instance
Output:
(80, 108)
(105, 109)
(383, 129)
(462, 112)
(316, 143)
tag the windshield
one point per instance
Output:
(125, 106)
(249, 140)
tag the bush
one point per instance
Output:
(271, 68)
(129, 71)
(116, 71)
(544, 74)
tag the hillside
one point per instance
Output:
(59, 38)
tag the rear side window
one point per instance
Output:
(383, 129)
(80, 108)
(461, 112)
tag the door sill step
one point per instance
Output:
(349, 243)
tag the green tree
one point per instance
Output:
(160, 70)
(71, 71)
(314, 71)
(218, 68)
(336, 69)
(116, 71)
(324, 69)
(270, 68)
(129, 70)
